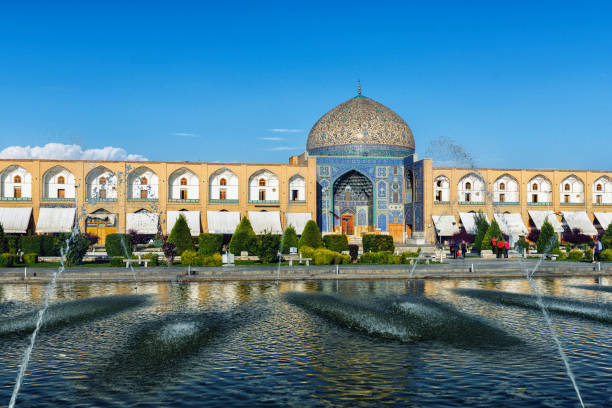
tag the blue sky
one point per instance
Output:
(516, 84)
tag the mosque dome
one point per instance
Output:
(361, 127)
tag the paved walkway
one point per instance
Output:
(452, 269)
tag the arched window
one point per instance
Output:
(102, 180)
(61, 180)
(468, 186)
(439, 183)
(598, 187)
(223, 182)
(502, 186)
(17, 179)
(183, 181)
(262, 182)
(144, 181)
(567, 187)
(534, 186)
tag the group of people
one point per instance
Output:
(500, 247)
(458, 249)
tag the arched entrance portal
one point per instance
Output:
(353, 204)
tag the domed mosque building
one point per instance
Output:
(365, 155)
(359, 174)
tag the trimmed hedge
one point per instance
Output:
(13, 242)
(31, 244)
(353, 251)
(244, 238)
(30, 259)
(336, 242)
(381, 257)
(115, 248)
(153, 259)
(117, 261)
(406, 255)
(193, 259)
(7, 260)
(4, 248)
(210, 244)
(306, 251)
(588, 254)
(575, 255)
(311, 236)
(377, 243)
(606, 254)
(323, 256)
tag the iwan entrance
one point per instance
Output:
(353, 204)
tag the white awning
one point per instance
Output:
(538, 218)
(15, 220)
(142, 222)
(298, 221)
(55, 220)
(446, 225)
(469, 222)
(579, 220)
(511, 224)
(265, 221)
(222, 222)
(605, 219)
(192, 217)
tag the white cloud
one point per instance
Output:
(60, 151)
(273, 139)
(280, 148)
(282, 130)
(182, 134)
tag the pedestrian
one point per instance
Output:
(463, 248)
(597, 250)
(500, 248)
(452, 249)
(507, 247)
(494, 245)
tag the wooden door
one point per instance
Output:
(347, 224)
(397, 232)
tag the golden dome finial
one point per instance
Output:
(359, 87)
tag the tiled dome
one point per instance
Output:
(360, 127)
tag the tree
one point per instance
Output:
(289, 239)
(492, 232)
(482, 225)
(606, 238)
(311, 236)
(244, 238)
(77, 248)
(4, 248)
(547, 241)
(181, 236)
(268, 247)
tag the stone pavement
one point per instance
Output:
(452, 269)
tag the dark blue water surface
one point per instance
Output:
(327, 343)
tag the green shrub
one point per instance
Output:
(323, 256)
(380, 257)
(244, 238)
(522, 244)
(606, 255)
(114, 247)
(588, 254)
(31, 244)
(7, 260)
(50, 244)
(153, 259)
(77, 248)
(606, 238)
(289, 239)
(30, 259)
(268, 247)
(353, 251)
(4, 248)
(548, 240)
(377, 243)
(117, 261)
(406, 255)
(13, 242)
(307, 252)
(336, 242)
(482, 225)
(492, 232)
(190, 257)
(562, 256)
(575, 255)
(181, 236)
(311, 236)
(212, 260)
(210, 244)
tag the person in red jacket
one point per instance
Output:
(494, 245)
(506, 249)
(500, 248)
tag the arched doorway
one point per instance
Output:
(353, 204)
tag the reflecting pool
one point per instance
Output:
(451, 343)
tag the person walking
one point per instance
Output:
(500, 248)
(453, 250)
(507, 247)
(463, 248)
(597, 247)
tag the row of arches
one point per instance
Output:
(183, 185)
(471, 189)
